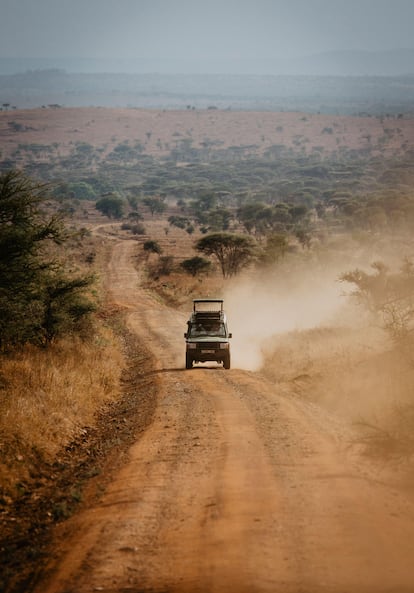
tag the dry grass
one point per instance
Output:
(296, 325)
(178, 289)
(357, 374)
(48, 397)
(159, 131)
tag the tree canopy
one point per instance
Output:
(232, 251)
(111, 205)
(155, 205)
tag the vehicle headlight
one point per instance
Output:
(224, 345)
(191, 345)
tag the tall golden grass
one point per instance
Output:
(48, 397)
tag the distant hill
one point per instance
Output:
(332, 63)
(355, 63)
(342, 82)
(346, 95)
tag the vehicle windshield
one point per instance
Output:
(199, 330)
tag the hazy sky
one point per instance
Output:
(201, 28)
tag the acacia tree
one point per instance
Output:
(219, 219)
(256, 217)
(389, 295)
(181, 222)
(277, 245)
(232, 251)
(111, 205)
(156, 205)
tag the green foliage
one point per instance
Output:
(276, 247)
(304, 237)
(261, 219)
(84, 148)
(82, 190)
(155, 204)
(151, 246)
(135, 216)
(202, 206)
(65, 305)
(219, 219)
(111, 205)
(133, 201)
(275, 191)
(136, 228)
(232, 251)
(122, 152)
(181, 222)
(79, 190)
(297, 213)
(81, 157)
(101, 184)
(196, 265)
(37, 300)
(255, 217)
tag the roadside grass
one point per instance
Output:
(48, 397)
(79, 471)
(352, 369)
(357, 374)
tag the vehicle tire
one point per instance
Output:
(226, 362)
(188, 362)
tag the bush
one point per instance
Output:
(162, 267)
(196, 265)
(138, 229)
(112, 206)
(38, 301)
(151, 246)
(82, 190)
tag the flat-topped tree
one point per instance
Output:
(232, 251)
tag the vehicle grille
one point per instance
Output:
(208, 346)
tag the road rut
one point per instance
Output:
(236, 486)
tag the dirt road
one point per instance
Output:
(235, 487)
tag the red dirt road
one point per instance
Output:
(235, 487)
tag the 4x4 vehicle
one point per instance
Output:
(207, 336)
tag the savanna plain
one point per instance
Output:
(120, 470)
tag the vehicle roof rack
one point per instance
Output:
(208, 305)
(208, 315)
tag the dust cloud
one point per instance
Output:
(277, 303)
(299, 326)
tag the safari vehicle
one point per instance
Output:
(207, 336)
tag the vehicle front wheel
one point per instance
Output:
(188, 362)
(226, 362)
